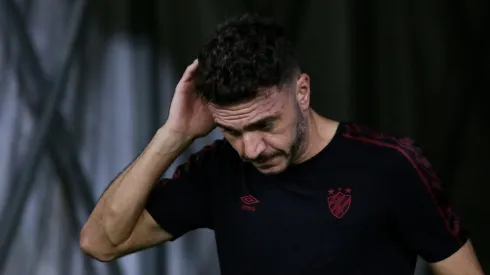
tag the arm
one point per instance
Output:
(130, 214)
(463, 262)
(119, 223)
(426, 220)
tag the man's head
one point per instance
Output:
(250, 77)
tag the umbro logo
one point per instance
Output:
(249, 203)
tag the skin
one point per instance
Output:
(277, 128)
(266, 131)
(273, 131)
(462, 262)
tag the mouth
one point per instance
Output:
(266, 162)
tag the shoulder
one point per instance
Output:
(211, 149)
(217, 148)
(213, 154)
(206, 158)
(399, 152)
(407, 168)
(405, 165)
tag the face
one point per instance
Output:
(270, 130)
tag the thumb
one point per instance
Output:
(190, 71)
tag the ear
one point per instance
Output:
(303, 91)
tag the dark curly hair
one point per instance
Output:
(246, 53)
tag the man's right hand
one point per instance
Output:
(189, 115)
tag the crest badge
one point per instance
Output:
(339, 201)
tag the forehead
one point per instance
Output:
(270, 102)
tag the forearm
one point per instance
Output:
(462, 262)
(121, 205)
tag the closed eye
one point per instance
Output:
(264, 126)
(232, 132)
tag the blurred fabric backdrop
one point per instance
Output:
(84, 85)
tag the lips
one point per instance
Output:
(265, 163)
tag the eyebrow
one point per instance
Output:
(252, 126)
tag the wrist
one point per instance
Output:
(167, 140)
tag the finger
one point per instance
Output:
(190, 71)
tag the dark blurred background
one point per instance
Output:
(85, 84)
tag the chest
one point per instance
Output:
(305, 227)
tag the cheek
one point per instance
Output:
(277, 142)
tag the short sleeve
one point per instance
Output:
(423, 214)
(181, 204)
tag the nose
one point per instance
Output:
(253, 145)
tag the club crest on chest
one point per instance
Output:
(339, 201)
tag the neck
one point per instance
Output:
(319, 134)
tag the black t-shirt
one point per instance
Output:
(368, 203)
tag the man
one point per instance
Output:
(287, 191)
